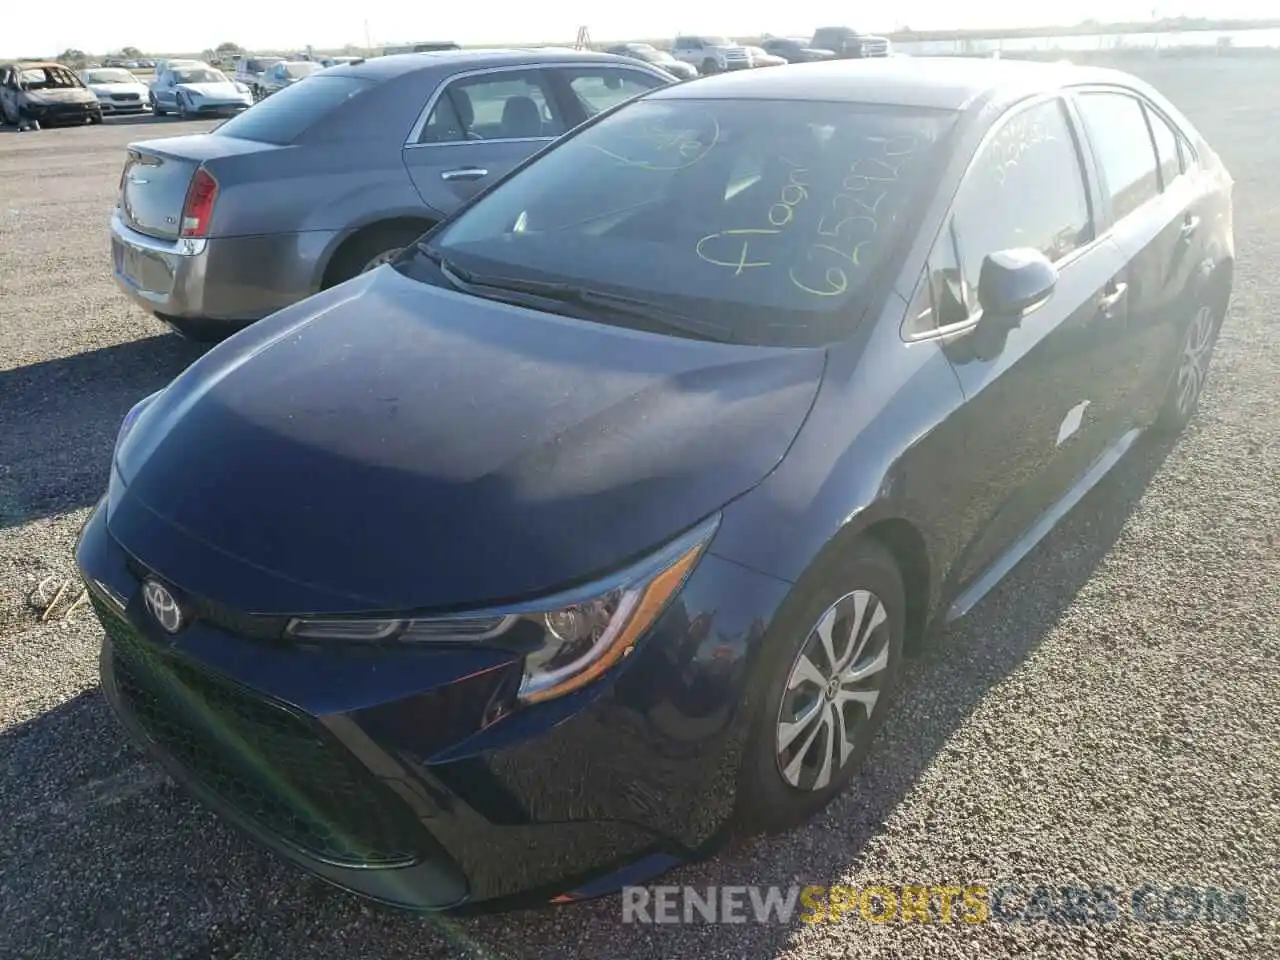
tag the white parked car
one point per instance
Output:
(711, 53)
(761, 57)
(285, 74)
(199, 90)
(117, 90)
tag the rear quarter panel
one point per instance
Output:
(344, 172)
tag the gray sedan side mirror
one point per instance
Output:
(1011, 282)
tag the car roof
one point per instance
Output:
(29, 64)
(399, 64)
(947, 83)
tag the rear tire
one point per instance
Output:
(371, 249)
(1191, 366)
(182, 108)
(793, 767)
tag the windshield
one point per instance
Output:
(718, 42)
(298, 70)
(48, 78)
(202, 75)
(767, 217)
(109, 76)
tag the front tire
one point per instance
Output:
(183, 114)
(709, 66)
(824, 684)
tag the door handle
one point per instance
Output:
(464, 173)
(1108, 301)
(1189, 227)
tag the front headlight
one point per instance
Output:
(568, 640)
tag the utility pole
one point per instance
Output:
(368, 44)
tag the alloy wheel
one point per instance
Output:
(1193, 364)
(832, 690)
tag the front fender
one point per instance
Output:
(874, 448)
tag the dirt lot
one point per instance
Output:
(1107, 717)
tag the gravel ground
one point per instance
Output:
(1101, 718)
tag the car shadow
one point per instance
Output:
(59, 419)
(147, 119)
(94, 822)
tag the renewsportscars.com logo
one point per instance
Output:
(935, 903)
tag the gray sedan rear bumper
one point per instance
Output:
(230, 281)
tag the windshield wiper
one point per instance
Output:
(618, 305)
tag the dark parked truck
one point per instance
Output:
(849, 44)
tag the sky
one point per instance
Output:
(98, 27)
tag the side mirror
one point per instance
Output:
(1011, 282)
(612, 82)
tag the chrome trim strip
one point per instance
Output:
(182, 247)
(415, 132)
(1040, 529)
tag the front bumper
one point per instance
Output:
(52, 114)
(216, 284)
(217, 107)
(385, 773)
(113, 107)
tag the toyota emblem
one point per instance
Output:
(163, 606)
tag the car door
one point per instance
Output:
(165, 90)
(586, 90)
(476, 127)
(1033, 421)
(8, 109)
(1156, 211)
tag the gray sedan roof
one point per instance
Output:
(946, 83)
(396, 65)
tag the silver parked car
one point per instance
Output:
(118, 90)
(332, 177)
(285, 74)
(192, 91)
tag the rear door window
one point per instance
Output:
(1122, 143)
(507, 105)
(1166, 141)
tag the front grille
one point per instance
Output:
(276, 766)
(875, 48)
(125, 97)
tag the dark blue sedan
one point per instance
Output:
(595, 527)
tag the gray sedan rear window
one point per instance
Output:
(283, 116)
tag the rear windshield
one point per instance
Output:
(769, 218)
(283, 116)
(301, 69)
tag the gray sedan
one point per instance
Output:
(332, 177)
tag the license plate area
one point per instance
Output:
(142, 269)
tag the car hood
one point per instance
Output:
(213, 90)
(388, 445)
(66, 95)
